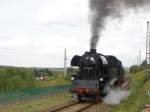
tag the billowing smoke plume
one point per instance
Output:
(102, 9)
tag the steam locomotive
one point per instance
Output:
(97, 72)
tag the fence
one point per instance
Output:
(28, 93)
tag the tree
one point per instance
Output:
(50, 73)
(144, 65)
(135, 68)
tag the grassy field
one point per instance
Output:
(20, 79)
(13, 78)
(37, 105)
(138, 97)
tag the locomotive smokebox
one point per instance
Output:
(93, 50)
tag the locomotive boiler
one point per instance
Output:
(97, 72)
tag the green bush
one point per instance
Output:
(135, 69)
(147, 75)
(144, 65)
(15, 78)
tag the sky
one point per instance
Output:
(34, 33)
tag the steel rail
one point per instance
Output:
(71, 105)
(86, 107)
(62, 107)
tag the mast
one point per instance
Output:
(65, 62)
(148, 44)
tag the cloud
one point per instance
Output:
(35, 33)
(124, 38)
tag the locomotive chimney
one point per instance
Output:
(93, 50)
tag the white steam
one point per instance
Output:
(115, 96)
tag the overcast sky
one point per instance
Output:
(34, 33)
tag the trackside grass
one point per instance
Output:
(138, 98)
(37, 105)
(31, 93)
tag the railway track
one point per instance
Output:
(72, 107)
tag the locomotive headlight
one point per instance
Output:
(72, 78)
(101, 79)
(92, 59)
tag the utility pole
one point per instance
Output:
(65, 62)
(148, 44)
(137, 60)
(139, 57)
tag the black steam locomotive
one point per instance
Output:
(97, 72)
